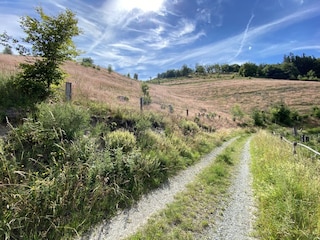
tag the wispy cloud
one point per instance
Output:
(245, 33)
(131, 36)
(223, 50)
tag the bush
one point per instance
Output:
(121, 139)
(258, 117)
(12, 98)
(281, 114)
(189, 127)
(316, 112)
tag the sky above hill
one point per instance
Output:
(151, 36)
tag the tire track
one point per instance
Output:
(236, 221)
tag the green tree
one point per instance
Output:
(200, 69)
(311, 75)
(258, 117)
(110, 69)
(281, 114)
(7, 50)
(237, 112)
(146, 95)
(135, 76)
(185, 70)
(51, 41)
(88, 62)
(248, 70)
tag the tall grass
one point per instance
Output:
(287, 187)
(59, 174)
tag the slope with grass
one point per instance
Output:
(215, 96)
(287, 187)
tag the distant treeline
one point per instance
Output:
(292, 67)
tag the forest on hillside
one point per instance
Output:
(292, 67)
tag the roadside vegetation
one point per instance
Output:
(67, 168)
(193, 211)
(287, 189)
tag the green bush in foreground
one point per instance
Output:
(287, 188)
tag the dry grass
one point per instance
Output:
(210, 95)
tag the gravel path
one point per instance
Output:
(236, 220)
(127, 222)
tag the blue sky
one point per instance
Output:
(151, 36)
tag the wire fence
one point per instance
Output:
(295, 144)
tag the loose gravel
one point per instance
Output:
(128, 221)
(236, 220)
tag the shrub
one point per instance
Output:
(121, 139)
(237, 112)
(151, 140)
(11, 97)
(110, 70)
(281, 114)
(316, 112)
(189, 127)
(258, 117)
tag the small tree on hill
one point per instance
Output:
(87, 62)
(51, 40)
(110, 68)
(7, 50)
(146, 95)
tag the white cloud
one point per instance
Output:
(245, 33)
(185, 27)
(126, 46)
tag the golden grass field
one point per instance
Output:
(200, 94)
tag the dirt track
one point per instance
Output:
(236, 221)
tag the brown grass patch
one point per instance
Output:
(198, 95)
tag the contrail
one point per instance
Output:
(244, 36)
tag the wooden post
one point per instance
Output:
(294, 147)
(68, 91)
(187, 112)
(295, 132)
(141, 104)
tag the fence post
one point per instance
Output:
(294, 147)
(68, 91)
(141, 104)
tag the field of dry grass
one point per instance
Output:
(210, 95)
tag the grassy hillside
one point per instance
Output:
(200, 95)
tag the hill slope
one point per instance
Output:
(199, 95)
